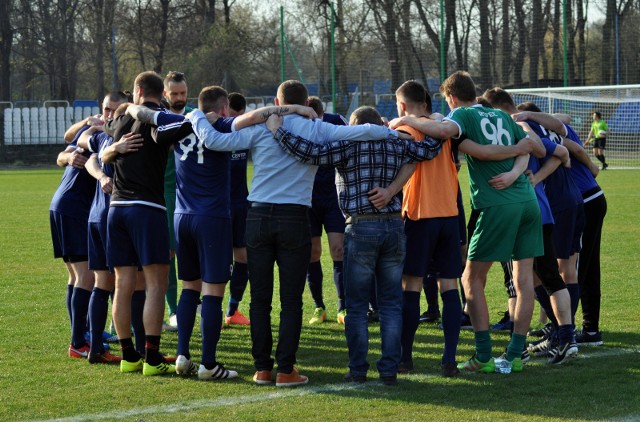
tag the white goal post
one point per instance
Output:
(618, 104)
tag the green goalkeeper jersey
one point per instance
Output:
(597, 126)
(490, 126)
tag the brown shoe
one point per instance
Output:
(290, 380)
(262, 377)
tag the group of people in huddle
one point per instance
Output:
(151, 178)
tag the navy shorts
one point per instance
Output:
(567, 231)
(136, 234)
(98, 247)
(239, 224)
(433, 247)
(462, 228)
(69, 237)
(203, 248)
(326, 212)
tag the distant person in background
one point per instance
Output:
(239, 207)
(325, 211)
(175, 94)
(598, 134)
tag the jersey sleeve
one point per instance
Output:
(172, 132)
(549, 146)
(224, 125)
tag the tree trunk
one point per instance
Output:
(537, 38)
(485, 46)
(506, 43)
(581, 23)
(607, 62)
(556, 53)
(162, 42)
(518, 59)
(6, 46)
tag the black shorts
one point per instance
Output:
(600, 143)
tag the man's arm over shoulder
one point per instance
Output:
(437, 129)
(215, 140)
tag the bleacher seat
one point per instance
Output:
(8, 126)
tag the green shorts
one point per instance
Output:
(504, 232)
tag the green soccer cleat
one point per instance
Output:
(126, 366)
(474, 365)
(319, 315)
(159, 369)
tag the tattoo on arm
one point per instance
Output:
(279, 111)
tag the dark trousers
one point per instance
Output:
(589, 263)
(277, 234)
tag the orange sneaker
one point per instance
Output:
(79, 352)
(291, 379)
(236, 319)
(262, 377)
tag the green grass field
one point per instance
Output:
(38, 381)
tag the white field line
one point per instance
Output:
(190, 406)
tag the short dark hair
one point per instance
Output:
(483, 102)
(174, 76)
(119, 97)
(414, 92)
(237, 101)
(498, 97)
(597, 113)
(365, 114)
(316, 104)
(528, 106)
(150, 83)
(293, 92)
(461, 85)
(211, 98)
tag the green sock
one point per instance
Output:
(516, 346)
(483, 346)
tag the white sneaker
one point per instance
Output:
(173, 320)
(219, 372)
(184, 366)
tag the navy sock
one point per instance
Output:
(314, 280)
(410, 321)
(98, 308)
(545, 303)
(137, 309)
(451, 314)
(79, 309)
(339, 282)
(210, 325)
(574, 293)
(565, 334)
(152, 348)
(237, 286)
(68, 299)
(430, 286)
(187, 309)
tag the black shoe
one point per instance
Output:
(405, 367)
(449, 369)
(373, 316)
(389, 379)
(604, 166)
(586, 339)
(503, 324)
(542, 331)
(562, 354)
(359, 379)
(430, 317)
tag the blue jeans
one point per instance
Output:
(374, 252)
(277, 234)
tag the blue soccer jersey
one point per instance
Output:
(100, 206)
(202, 175)
(581, 174)
(239, 159)
(560, 188)
(75, 192)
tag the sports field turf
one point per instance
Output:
(38, 381)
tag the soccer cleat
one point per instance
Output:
(543, 347)
(262, 377)
(291, 379)
(79, 352)
(341, 316)
(524, 357)
(474, 365)
(449, 369)
(429, 317)
(319, 315)
(562, 354)
(405, 367)
(389, 379)
(105, 357)
(542, 331)
(373, 316)
(184, 366)
(237, 319)
(126, 366)
(586, 339)
(605, 166)
(159, 369)
(358, 379)
(170, 327)
(503, 324)
(516, 363)
(219, 372)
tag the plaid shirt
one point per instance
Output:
(362, 165)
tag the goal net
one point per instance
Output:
(619, 106)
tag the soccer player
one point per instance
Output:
(551, 291)
(374, 237)
(509, 223)
(598, 133)
(325, 211)
(68, 216)
(278, 226)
